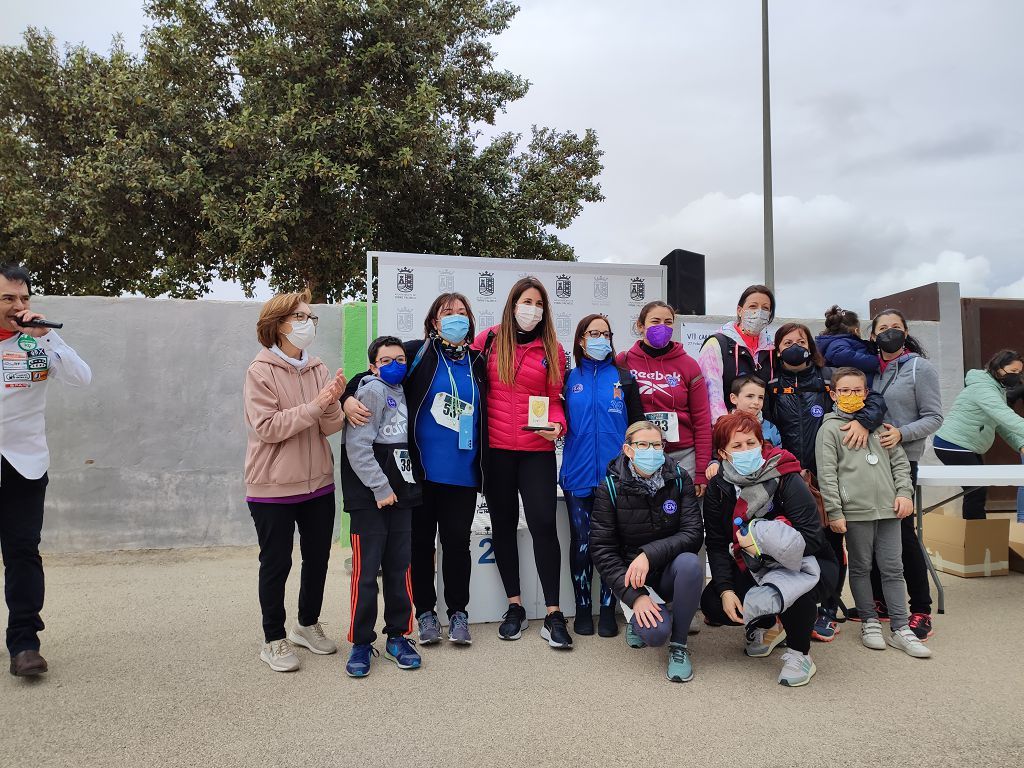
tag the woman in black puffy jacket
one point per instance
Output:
(645, 533)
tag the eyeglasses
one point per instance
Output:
(381, 362)
(303, 317)
(643, 445)
(598, 334)
(846, 392)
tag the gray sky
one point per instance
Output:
(897, 142)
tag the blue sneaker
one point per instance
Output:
(359, 660)
(680, 665)
(458, 629)
(633, 639)
(430, 628)
(825, 628)
(399, 650)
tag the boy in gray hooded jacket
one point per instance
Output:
(380, 492)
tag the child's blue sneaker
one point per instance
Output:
(359, 660)
(399, 650)
(826, 627)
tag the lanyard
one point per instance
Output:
(451, 380)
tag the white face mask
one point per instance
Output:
(528, 316)
(302, 334)
(755, 320)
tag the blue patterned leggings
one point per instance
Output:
(580, 566)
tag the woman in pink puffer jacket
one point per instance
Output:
(524, 359)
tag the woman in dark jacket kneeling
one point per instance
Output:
(645, 532)
(760, 483)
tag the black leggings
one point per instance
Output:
(974, 501)
(798, 620)
(446, 513)
(532, 475)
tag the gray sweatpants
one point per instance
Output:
(883, 539)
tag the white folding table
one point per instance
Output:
(968, 477)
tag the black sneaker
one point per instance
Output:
(607, 624)
(583, 624)
(555, 631)
(513, 623)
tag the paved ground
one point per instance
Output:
(154, 662)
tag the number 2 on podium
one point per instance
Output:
(487, 558)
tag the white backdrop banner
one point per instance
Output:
(409, 283)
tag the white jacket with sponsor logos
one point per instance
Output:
(29, 365)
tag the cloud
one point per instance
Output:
(1011, 291)
(963, 143)
(950, 266)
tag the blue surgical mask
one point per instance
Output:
(648, 460)
(392, 373)
(454, 328)
(747, 462)
(599, 348)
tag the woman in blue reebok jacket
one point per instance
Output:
(601, 400)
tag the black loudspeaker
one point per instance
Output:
(686, 283)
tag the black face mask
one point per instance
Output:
(892, 340)
(795, 355)
(1010, 380)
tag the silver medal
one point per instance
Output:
(872, 459)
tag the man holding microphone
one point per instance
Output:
(32, 357)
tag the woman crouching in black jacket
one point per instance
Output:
(645, 533)
(758, 482)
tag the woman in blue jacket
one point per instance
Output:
(601, 400)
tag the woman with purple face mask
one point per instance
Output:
(672, 390)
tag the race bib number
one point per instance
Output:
(669, 423)
(404, 462)
(447, 409)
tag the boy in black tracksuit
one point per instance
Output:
(379, 492)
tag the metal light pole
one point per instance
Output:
(769, 234)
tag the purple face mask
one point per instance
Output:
(659, 335)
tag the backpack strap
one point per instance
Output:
(487, 344)
(419, 355)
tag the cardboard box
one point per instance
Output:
(967, 548)
(1017, 547)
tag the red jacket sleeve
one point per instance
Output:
(556, 413)
(700, 415)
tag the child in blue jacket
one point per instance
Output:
(841, 345)
(601, 401)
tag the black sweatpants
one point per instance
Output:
(381, 541)
(974, 501)
(532, 475)
(275, 528)
(798, 620)
(915, 570)
(446, 513)
(21, 524)
(836, 541)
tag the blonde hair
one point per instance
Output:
(505, 341)
(274, 312)
(640, 426)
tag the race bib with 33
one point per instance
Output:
(669, 423)
(446, 410)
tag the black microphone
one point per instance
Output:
(38, 324)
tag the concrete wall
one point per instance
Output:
(151, 454)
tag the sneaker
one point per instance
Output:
(399, 650)
(826, 627)
(313, 638)
(761, 642)
(797, 669)
(905, 640)
(881, 609)
(607, 623)
(280, 656)
(458, 629)
(695, 623)
(871, 635)
(633, 639)
(430, 628)
(359, 660)
(680, 665)
(583, 624)
(555, 631)
(513, 622)
(921, 624)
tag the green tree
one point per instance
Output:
(280, 137)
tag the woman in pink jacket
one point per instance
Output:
(291, 405)
(524, 360)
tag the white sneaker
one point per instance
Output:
(905, 639)
(871, 635)
(313, 638)
(280, 656)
